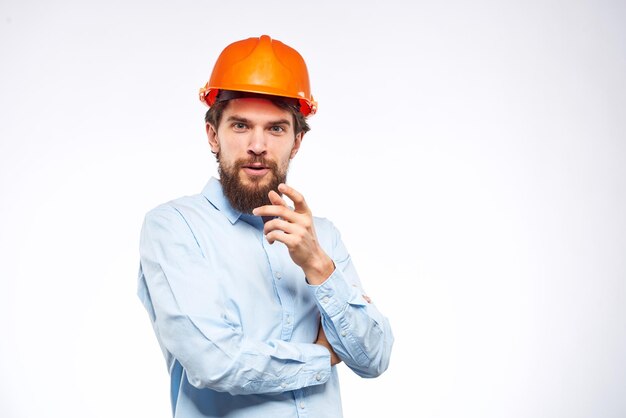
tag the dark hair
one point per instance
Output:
(214, 114)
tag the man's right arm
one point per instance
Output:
(191, 327)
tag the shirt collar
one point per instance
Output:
(214, 193)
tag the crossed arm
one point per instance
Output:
(219, 357)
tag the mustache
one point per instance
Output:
(257, 159)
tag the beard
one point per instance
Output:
(242, 197)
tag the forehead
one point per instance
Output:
(255, 109)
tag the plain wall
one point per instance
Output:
(472, 154)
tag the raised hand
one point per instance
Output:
(294, 228)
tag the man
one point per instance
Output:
(252, 301)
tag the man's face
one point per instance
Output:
(255, 142)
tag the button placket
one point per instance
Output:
(300, 403)
(281, 284)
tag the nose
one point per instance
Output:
(257, 144)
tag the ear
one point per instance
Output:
(296, 145)
(211, 134)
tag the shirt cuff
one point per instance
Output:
(316, 370)
(335, 294)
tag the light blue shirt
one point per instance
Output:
(236, 319)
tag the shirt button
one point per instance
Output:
(283, 385)
(325, 299)
(343, 333)
(301, 405)
(289, 320)
(278, 275)
(318, 377)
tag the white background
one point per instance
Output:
(472, 154)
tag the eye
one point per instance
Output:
(239, 126)
(277, 129)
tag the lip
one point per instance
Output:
(256, 170)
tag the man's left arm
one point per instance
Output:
(355, 328)
(358, 333)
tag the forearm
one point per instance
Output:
(217, 357)
(358, 332)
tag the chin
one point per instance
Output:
(255, 182)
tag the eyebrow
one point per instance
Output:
(280, 122)
(236, 118)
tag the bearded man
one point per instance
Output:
(255, 302)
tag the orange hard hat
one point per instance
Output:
(262, 66)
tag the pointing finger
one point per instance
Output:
(276, 199)
(295, 196)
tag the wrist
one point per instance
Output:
(319, 271)
(334, 359)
